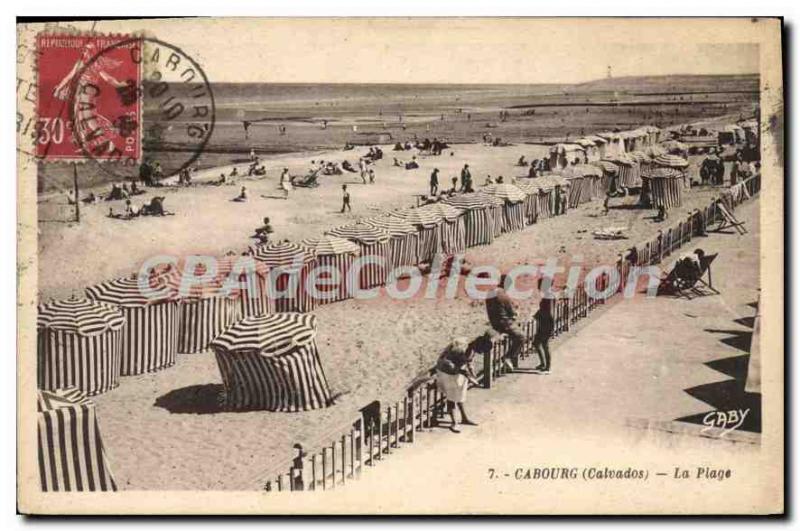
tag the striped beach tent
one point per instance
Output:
(334, 269)
(285, 266)
(427, 224)
(208, 304)
(665, 186)
(452, 235)
(654, 151)
(513, 204)
(610, 177)
(532, 192)
(375, 244)
(150, 334)
(403, 242)
(581, 186)
(70, 448)
(79, 344)
(630, 175)
(271, 362)
(478, 214)
(496, 206)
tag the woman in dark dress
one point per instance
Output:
(545, 326)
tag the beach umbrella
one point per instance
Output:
(69, 445)
(664, 185)
(79, 345)
(404, 239)
(271, 362)
(478, 213)
(150, 334)
(671, 161)
(374, 243)
(208, 302)
(335, 257)
(452, 236)
(285, 266)
(427, 224)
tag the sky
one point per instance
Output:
(460, 50)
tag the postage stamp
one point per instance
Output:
(88, 103)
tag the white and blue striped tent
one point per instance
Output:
(427, 224)
(79, 345)
(150, 334)
(271, 362)
(478, 213)
(285, 267)
(514, 204)
(334, 268)
(452, 233)
(404, 239)
(375, 245)
(69, 446)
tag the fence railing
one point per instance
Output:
(381, 430)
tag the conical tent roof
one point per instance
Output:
(330, 245)
(506, 192)
(199, 284)
(80, 316)
(392, 224)
(470, 201)
(135, 290)
(283, 254)
(662, 172)
(361, 232)
(443, 210)
(418, 216)
(271, 335)
(68, 397)
(638, 156)
(671, 161)
(607, 166)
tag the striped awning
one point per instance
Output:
(49, 400)
(282, 254)
(80, 316)
(327, 245)
(506, 192)
(671, 161)
(470, 201)
(270, 335)
(391, 224)
(361, 232)
(443, 210)
(418, 216)
(662, 172)
(135, 290)
(607, 166)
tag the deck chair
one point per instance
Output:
(728, 220)
(686, 280)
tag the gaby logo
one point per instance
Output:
(727, 421)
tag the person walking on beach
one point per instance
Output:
(545, 326)
(503, 318)
(362, 166)
(453, 376)
(466, 179)
(345, 199)
(285, 184)
(435, 182)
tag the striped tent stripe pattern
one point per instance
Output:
(666, 187)
(374, 243)
(671, 161)
(479, 222)
(69, 446)
(496, 207)
(78, 345)
(272, 363)
(629, 171)
(150, 334)
(452, 231)
(334, 269)
(427, 225)
(285, 268)
(404, 239)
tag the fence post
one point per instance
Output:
(487, 368)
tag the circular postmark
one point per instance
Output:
(162, 108)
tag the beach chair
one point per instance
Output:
(686, 280)
(305, 181)
(727, 219)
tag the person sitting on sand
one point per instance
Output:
(499, 179)
(453, 376)
(413, 164)
(532, 171)
(397, 163)
(135, 189)
(242, 197)
(131, 210)
(489, 180)
(348, 146)
(222, 179)
(155, 208)
(398, 147)
(522, 161)
(347, 166)
(90, 198)
(264, 232)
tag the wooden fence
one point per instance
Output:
(381, 430)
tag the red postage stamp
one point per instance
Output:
(89, 104)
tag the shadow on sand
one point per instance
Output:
(200, 399)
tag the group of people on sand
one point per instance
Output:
(454, 371)
(536, 167)
(466, 185)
